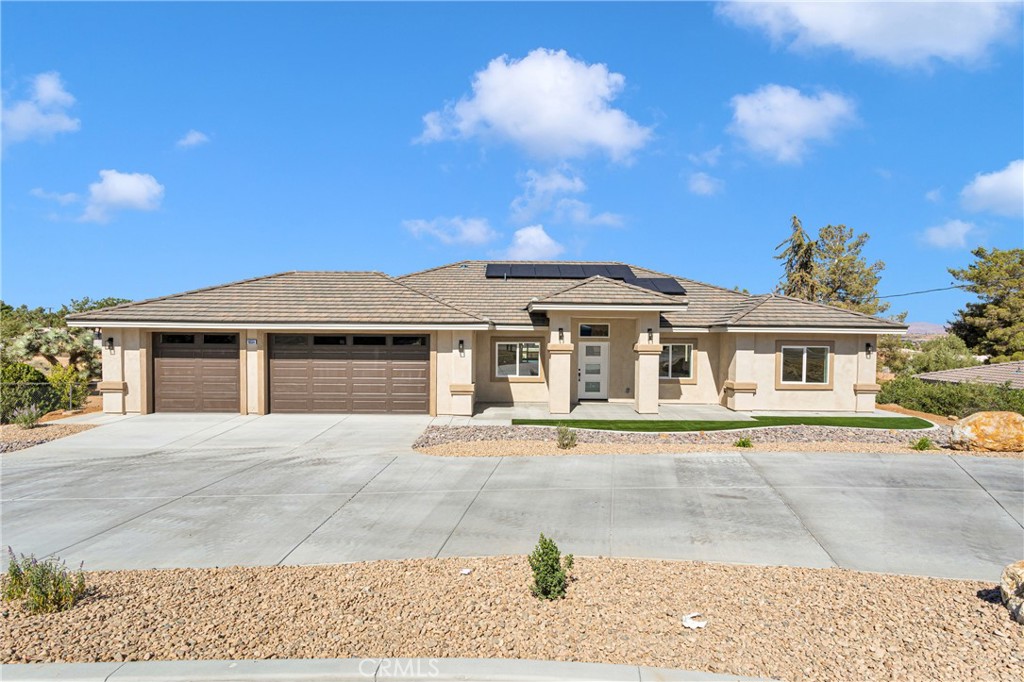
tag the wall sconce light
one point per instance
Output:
(462, 347)
(97, 334)
(561, 335)
(110, 344)
(867, 349)
(650, 335)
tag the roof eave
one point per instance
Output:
(281, 326)
(808, 329)
(609, 307)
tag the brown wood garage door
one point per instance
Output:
(331, 373)
(195, 372)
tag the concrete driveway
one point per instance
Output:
(166, 491)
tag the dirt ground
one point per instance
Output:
(940, 420)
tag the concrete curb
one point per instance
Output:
(353, 670)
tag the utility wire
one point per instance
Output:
(955, 286)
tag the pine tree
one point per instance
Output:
(994, 325)
(798, 278)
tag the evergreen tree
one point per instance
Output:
(798, 278)
(993, 325)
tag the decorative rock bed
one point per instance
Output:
(13, 437)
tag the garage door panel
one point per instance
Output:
(190, 375)
(344, 378)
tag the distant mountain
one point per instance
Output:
(925, 329)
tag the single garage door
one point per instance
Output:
(196, 372)
(332, 373)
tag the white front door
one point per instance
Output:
(593, 370)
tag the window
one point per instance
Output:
(805, 364)
(177, 338)
(330, 341)
(408, 340)
(594, 331)
(369, 340)
(220, 338)
(518, 359)
(289, 340)
(676, 361)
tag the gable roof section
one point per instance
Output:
(602, 291)
(999, 373)
(776, 311)
(334, 298)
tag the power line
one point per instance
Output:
(955, 286)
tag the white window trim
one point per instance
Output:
(519, 349)
(579, 330)
(803, 366)
(670, 376)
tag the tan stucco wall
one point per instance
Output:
(707, 368)
(490, 389)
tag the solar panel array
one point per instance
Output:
(663, 285)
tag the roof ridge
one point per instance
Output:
(437, 267)
(835, 307)
(616, 282)
(751, 306)
(435, 298)
(154, 299)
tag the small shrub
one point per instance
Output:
(944, 399)
(566, 438)
(27, 417)
(922, 443)
(70, 386)
(24, 385)
(743, 443)
(550, 570)
(45, 586)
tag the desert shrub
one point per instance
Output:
(22, 386)
(565, 438)
(922, 443)
(743, 443)
(945, 352)
(71, 386)
(43, 586)
(27, 417)
(945, 399)
(550, 570)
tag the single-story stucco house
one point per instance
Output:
(445, 340)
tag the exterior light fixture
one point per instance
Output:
(462, 347)
(110, 344)
(650, 335)
(867, 349)
(561, 335)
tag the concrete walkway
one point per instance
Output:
(217, 490)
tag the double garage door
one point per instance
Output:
(349, 373)
(311, 373)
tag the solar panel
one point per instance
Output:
(571, 270)
(664, 285)
(496, 270)
(592, 269)
(622, 272)
(547, 270)
(522, 270)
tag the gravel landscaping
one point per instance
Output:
(513, 441)
(13, 437)
(788, 623)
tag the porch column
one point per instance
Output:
(648, 352)
(560, 372)
(113, 387)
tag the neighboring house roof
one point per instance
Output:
(294, 298)
(461, 293)
(599, 290)
(999, 373)
(772, 310)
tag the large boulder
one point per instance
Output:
(989, 432)
(1011, 589)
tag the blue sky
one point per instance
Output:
(154, 148)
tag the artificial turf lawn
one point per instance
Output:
(696, 425)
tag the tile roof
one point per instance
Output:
(599, 290)
(771, 310)
(294, 297)
(999, 373)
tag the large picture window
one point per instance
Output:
(517, 359)
(676, 361)
(805, 364)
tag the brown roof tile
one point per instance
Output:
(772, 310)
(999, 373)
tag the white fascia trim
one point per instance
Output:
(608, 307)
(805, 330)
(263, 326)
(685, 330)
(519, 327)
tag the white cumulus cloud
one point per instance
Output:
(193, 138)
(43, 115)
(118, 191)
(581, 213)
(548, 103)
(708, 157)
(934, 195)
(952, 234)
(1000, 192)
(704, 184)
(61, 198)
(781, 122)
(540, 190)
(904, 34)
(533, 243)
(452, 231)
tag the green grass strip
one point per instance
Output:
(664, 425)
